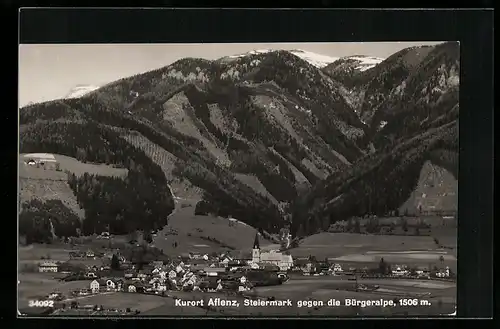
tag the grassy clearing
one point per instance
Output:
(48, 189)
(166, 160)
(256, 185)
(237, 235)
(193, 230)
(123, 301)
(70, 164)
(37, 285)
(79, 168)
(354, 249)
(52, 185)
(437, 188)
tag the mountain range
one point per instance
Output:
(272, 138)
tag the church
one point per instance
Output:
(284, 262)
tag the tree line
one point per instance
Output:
(40, 222)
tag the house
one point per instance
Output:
(336, 268)
(193, 279)
(129, 274)
(399, 270)
(95, 286)
(134, 287)
(443, 273)
(179, 268)
(90, 254)
(422, 272)
(48, 267)
(172, 274)
(111, 285)
(254, 266)
(42, 160)
(246, 286)
(214, 271)
(243, 280)
(91, 275)
(55, 295)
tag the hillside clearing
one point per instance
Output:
(181, 187)
(256, 185)
(193, 231)
(79, 168)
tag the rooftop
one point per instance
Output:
(44, 156)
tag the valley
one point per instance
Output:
(349, 160)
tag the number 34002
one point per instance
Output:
(41, 303)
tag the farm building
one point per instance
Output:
(48, 267)
(42, 160)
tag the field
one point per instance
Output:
(256, 185)
(355, 249)
(193, 231)
(38, 285)
(438, 297)
(79, 168)
(70, 164)
(52, 185)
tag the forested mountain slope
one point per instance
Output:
(256, 137)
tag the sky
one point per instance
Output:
(50, 71)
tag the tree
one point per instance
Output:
(436, 241)
(148, 238)
(417, 231)
(357, 226)
(383, 266)
(404, 224)
(115, 263)
(441, 259)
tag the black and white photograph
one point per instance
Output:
(238, 179)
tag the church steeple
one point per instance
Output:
(256, 249)
(256, 241)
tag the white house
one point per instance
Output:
(443, 274)
(54, 295)
(48, 267)
(399, 270)
(337, 268)
(132, 288)
(94, 286)
(45, 160)
(91, 275)
(162, 274)
(243, 280)
(172, 274)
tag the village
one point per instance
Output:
(226, 274)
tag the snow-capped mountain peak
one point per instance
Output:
(80, 90)
(314, 59)
(366, 62)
